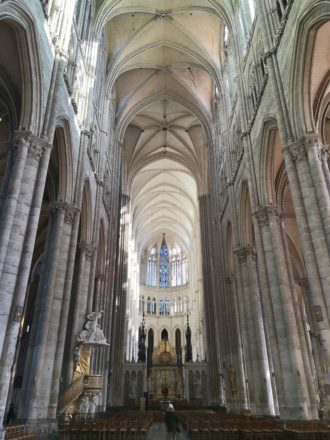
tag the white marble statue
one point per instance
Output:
(92, 333)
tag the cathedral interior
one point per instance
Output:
(164, 210)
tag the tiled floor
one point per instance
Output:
(157, 432)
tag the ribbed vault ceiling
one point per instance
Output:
(163, 62)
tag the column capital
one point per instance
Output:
(36, 146)
(325, 152)
(266, 213)
(313, 143)
(58, 207)
(70, 214)
(297, 151)
(309, 143)
(303, 282)
(21, 140)
(245, 252)
(69, 211)
(88, 248)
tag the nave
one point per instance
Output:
(164, 217)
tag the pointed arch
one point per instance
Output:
(308, 85)
(246, 227)
(229, 250)
(12, 13)
(86, 215)
(270, 157)
(101, 249)
(62, 140)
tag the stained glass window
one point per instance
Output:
(164, 265)
(152, 268)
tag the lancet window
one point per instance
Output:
(152, 268)
(167, 267)
(164, 265)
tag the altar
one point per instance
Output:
(165, 378)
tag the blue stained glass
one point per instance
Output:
(164, 267)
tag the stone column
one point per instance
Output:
(42, 318)
(23, 235)
(316, 348)
(96, 230)
(269, 320)
(99, 304)
(237, 397)
(325, 164)
(260, 388)
(44, 379)
(306, 354)
(72, 217)
(295, 401)
(314, 216)
(17, 157)
(16, 211)
(51, 328)
(234, 297)
(80, 302)
(210, 308)
(112, 259)
(119, 309)
(314, 150)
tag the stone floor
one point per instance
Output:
(158, 432)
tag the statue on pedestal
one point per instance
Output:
(92, 333)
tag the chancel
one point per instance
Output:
(164, 218)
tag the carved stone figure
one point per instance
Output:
(83, 406)
(92, 333)
(93, 402)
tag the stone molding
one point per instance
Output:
(245, 252)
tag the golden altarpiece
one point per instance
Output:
(165, 378)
